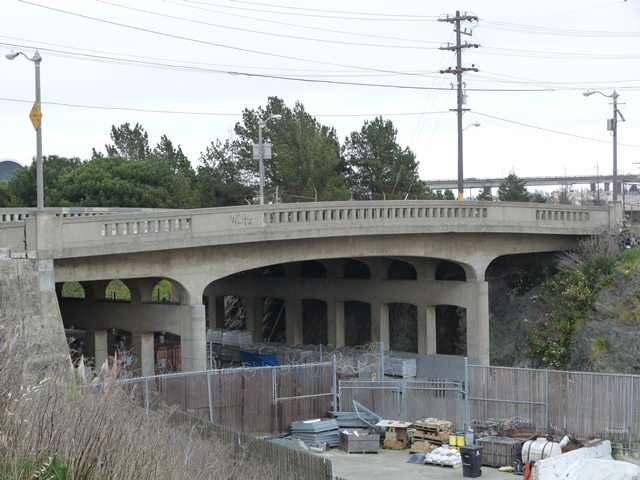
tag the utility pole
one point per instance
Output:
(458, 71)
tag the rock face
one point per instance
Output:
(512, 283)
(29, 310)
(609, 341)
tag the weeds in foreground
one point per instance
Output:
(59, 429)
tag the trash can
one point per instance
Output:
(471, 461)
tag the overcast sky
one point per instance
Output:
(187, 69)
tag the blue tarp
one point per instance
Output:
(250, 359)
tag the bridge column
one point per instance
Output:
(253, 307)
(97, 343)
(293, 318)
(478, 322)
(216, 312)
(193, 340)
(426, 329)
(142, 346)
(380, 324)
(335, 323)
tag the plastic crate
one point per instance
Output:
(499, 451)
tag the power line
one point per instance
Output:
(551, 130)
(203, 42)
(511, 52)
(182, 112)
(273, 76)
(332, 11)
(271, 34)
(516, 27)
(325, 72)
(287, 24)
(407, 18)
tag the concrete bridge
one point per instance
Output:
(332, 253)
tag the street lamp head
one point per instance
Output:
(588, 93)
(12, 55)
(276, 116)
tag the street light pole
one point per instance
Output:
(612, 125)
(36, 116)
(261, 124)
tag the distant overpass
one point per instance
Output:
(531, 181)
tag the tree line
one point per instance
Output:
(308, 164)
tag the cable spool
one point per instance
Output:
(539, 449)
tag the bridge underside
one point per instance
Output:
(422, 293)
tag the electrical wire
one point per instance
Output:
(239, 114)
(204, 42)
(331, 11)
(305, 27)
(145, 59)
(511, 52)
(533, 29)
(343, 16)
(281, 77)
(280, 35)
(551, 130)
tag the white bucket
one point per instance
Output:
(468, 439)
(539, 449)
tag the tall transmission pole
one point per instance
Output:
(458, 71)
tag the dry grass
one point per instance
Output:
(96, 432)
(594, 255)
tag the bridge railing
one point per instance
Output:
(85, 231)
(21, 214)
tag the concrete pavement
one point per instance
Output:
(392, 464)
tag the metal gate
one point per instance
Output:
(408, 400)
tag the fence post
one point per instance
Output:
(335, 384)
(381, 362)
(209, 397)
(465, 395)
(631, 410)
(274, 394)
(546, 399)
(146, 394)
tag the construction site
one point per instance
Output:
(367, 410)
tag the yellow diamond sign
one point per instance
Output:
(35, 115)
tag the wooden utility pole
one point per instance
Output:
(458, 71)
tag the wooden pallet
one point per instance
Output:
(457, 465)
(438, 437)
(433, 424)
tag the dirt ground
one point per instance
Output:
(390, 464)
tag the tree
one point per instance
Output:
(306, 161)
(175, 159)
(512, 189)
(21, 189)
(4, 194)
(117, 182)
(377, 167)
(223, 178)
(129, 143)
(537, 197)
(485, 195)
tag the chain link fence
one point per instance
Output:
(258, 400)
(514, 401)
(580, 404)
(408, 400)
